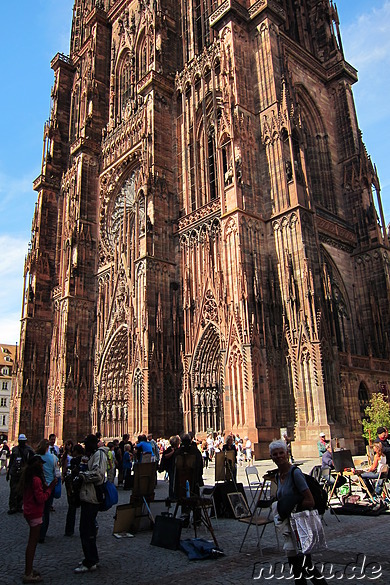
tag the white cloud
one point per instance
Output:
(367, 39)
(10, 329)
(11, 186)
(11, 289)
(367, 47)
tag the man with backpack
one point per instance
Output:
(20, 455)
(92, 474)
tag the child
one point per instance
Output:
(35, 493)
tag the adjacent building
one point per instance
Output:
(208, 247)
(7, 359)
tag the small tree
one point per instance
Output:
(377, 414)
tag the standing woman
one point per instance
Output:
(66, 458)
(127, 465)
(205, 454)
(229, 446)
(35, 493)
(50, 469)
(292, 491)
(73, 484)
(169, 463)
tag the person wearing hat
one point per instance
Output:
(382, 434)
(322, 445)
(20, 455)
(93, 476)
(35, 493)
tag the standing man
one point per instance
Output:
(119, 456)
(143, 447)
(321, 445)
(248, 450)
(55, 451)
(20, 455)
(93, 476)
(155, 447)
(382, 434)
(53, 448)
(188, 474)
(287, 440)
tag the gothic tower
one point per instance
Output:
(208, 249)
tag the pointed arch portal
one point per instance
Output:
(112, 399)
(206, 382)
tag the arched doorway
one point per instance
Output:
(206, 382)
(112, 396)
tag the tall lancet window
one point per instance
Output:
(75, 113)
(212, 165)
(125, 83)
(145, 53)
(203, 35)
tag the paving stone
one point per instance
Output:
(135, 561)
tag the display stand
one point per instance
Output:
(224, 462)
(137, 515)
(187, 491)
(343, 464)
(198, 507)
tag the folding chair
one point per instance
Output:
(256, 518)
(383, 476)
(254, 482)
(208, 492)
(316, 472)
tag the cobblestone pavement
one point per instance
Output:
(135, 561)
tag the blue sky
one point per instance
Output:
(33, 31)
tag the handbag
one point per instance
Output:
(307, 531)
(57, 489)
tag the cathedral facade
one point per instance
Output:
(208, 248)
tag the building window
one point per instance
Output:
(126, 83)
(3, 402)
(203, 10)
(5, 385)
(212, 166)
(5, 371)
(3, 419)
(74, 113)
(145, 54)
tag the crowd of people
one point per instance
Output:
(372, 476)
(35, 475)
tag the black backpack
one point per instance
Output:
(319, 494)
(21, 457)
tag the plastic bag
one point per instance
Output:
(307, 531)
(344, 490)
